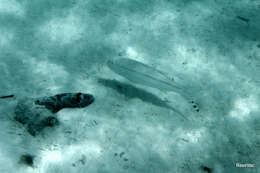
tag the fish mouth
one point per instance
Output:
(89, 98)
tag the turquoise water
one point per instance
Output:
(211, 49)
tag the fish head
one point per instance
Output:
(84, 99)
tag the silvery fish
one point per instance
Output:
(143, 74)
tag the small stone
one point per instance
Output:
(125, 166)
(121, 154)
(27, 159)
(83, 160)
(206, 169)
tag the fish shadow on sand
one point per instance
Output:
(131, 92)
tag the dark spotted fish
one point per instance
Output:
(65, 100)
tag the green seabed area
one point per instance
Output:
(176, 86)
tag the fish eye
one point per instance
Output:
(78, 97)
(81, 96)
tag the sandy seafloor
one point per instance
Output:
(212, 48)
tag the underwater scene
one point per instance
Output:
(130, 86)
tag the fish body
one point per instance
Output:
(65, 100)
(143, 74)
(140, 73)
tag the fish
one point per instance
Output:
(38, 113)
(140, 73)
(243, 19)
(5, 97)
(65, 100)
